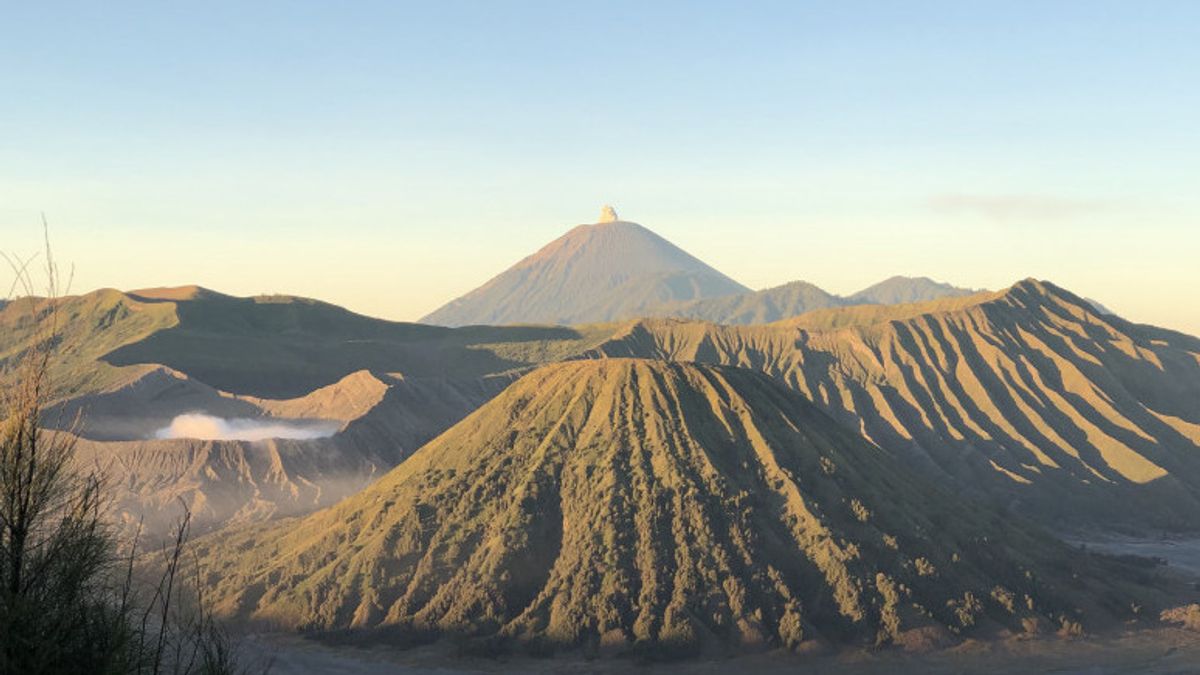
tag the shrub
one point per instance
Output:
(69, 601)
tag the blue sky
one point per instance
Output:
(390, 156)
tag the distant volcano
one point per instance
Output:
(610, 270)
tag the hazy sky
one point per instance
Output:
(390, 156)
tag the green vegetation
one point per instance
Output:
(282, 347)
(69, 598)
(92, 325)
(274, 347)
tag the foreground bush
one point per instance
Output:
(70, 601)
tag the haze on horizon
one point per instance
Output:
(390, 157)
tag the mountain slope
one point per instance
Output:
(637, 503)
(128, 364)
(765, 306)
(610, 270)
(284, 346)
(799, 297)
(371, 424)
(1028, 394)
(902, 290)
(267, 346)
(91, 326)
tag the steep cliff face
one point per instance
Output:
(1029, 395)
(622, 503)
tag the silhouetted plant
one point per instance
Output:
(70, 597)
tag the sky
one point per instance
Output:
(390, 156)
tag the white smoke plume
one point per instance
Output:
(209, 428)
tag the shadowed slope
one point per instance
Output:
(1029, 394)
(128, 364)
(610, 270)
(267, 346)
(284, 347)
(627, 502)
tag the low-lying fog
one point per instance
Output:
(210, 428)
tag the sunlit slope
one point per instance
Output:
(601, 272)
(88, 326)
(628, 502)
(1027, 394)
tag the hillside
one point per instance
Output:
(284, 347)
(1028, 395)
(636, 504)
(763, 306)
(602, 272)
(800, 297)
(90, 326)
(129, 364)
(265, 346)
(616, 270)
(900, 290)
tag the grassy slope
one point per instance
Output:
(276, 347)
(424, 380)
(92, 325)
(282, 347)
(626, 503)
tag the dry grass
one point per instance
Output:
(628, 506)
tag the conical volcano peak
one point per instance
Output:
(603, 271)
(609, 500)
